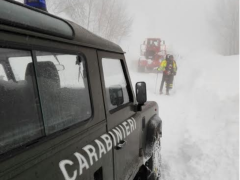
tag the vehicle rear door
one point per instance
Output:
(123, 123)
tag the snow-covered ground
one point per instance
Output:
(200, 118)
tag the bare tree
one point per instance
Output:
(107, 18)
(90, 8)
(116, 32)
(225, 21)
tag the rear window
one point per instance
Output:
(20, 120)
(63, 90)
(19, 65)
(42, 97)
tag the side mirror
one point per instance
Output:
(141, 92)
(116, 95)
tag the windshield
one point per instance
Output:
(152, 42)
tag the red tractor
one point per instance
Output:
(153, 50)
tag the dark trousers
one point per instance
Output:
(169, 82)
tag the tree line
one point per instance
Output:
(106, 18)
(224, 20)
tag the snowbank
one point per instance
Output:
(200, 119)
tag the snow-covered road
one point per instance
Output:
(200, 119)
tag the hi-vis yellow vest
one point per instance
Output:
(163, 65)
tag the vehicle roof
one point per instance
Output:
(79, 35)
(90, 39)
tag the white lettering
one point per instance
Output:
(101, 148)
(131, 124)
(62, 165)
(123, 131)
(127, 128)
(82, 162)
(114, 139)
(108, 141)
(91, 153)
(119, 134)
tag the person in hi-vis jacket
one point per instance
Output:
(169, 68)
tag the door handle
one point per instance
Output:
(121, 144)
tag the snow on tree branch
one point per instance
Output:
(106, 18)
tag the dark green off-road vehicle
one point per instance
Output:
(67, 106)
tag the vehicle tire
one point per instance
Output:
(152, 168)
(141, 69)
(154, 163)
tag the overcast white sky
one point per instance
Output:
(182, 23)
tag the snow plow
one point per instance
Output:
(152, 51)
